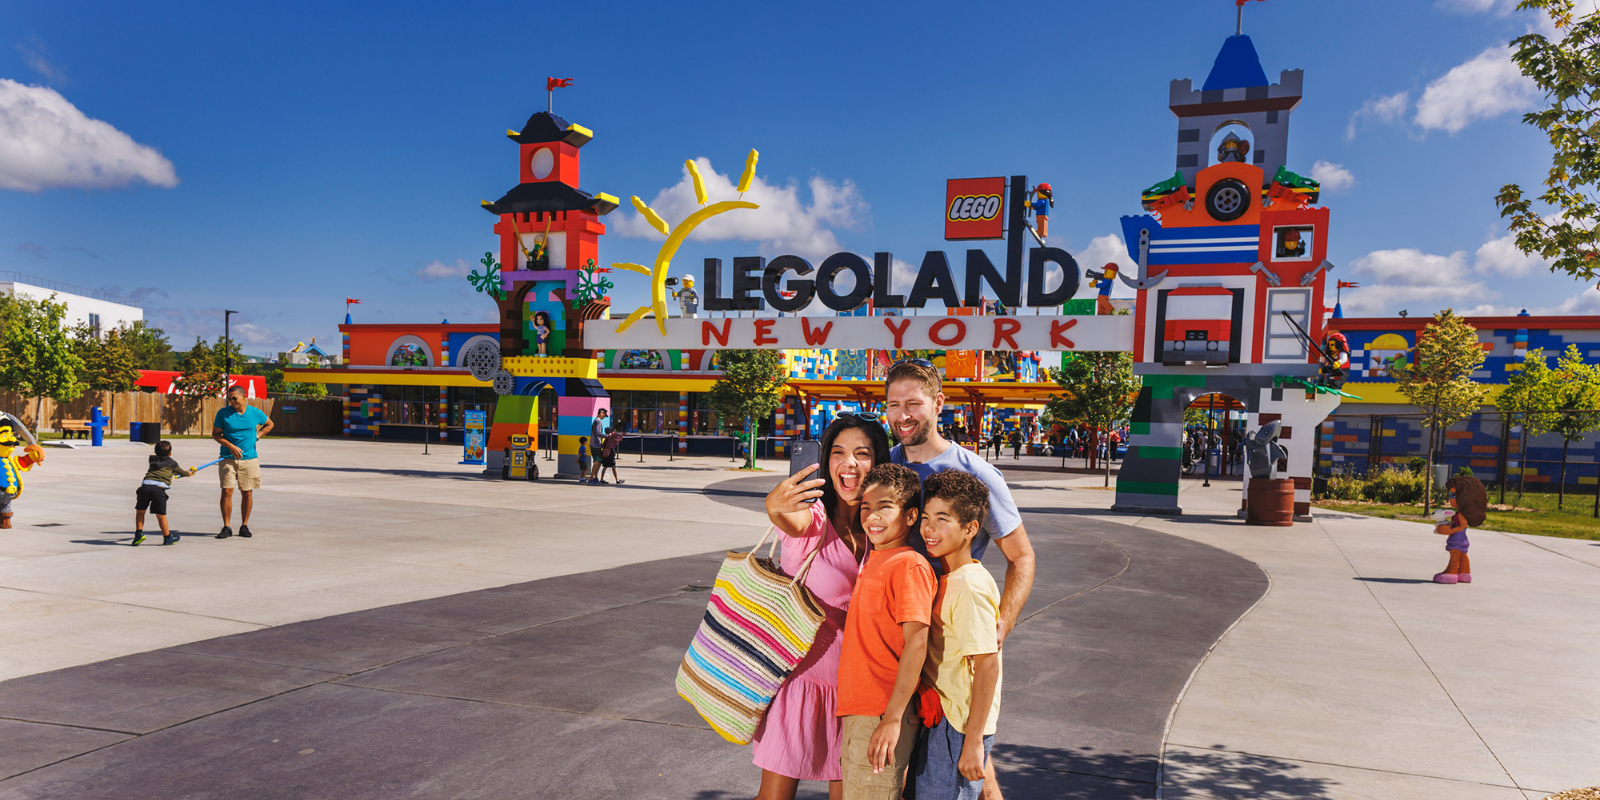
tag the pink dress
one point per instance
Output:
(799, 737)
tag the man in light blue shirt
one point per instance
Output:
(237, 427)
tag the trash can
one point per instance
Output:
(134, 431)
(150, 432)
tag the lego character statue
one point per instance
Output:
(1290, 245)
(1335, 360)
(12, 465)
(1103, 281)
(541, 331)
(1233, 149)
(539, 256)
(1043, 200)
(1471, 504)
(1262, 451)
(688, 299)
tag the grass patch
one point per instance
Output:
(1536, 514)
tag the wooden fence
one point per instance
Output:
(178, 414)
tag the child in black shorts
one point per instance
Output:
(152, 493)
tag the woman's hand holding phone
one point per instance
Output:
(796, 493)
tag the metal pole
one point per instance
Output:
(227, 346)
(1210, 418)
(641, 448)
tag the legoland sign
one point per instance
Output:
(871, 333)
(789, 284)
(974, 208)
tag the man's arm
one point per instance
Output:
(216, 435)
(1019, 578)
(880, 748)
(264, 429)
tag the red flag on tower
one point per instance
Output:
(552, 84)
(350, 301)
(1241, 2)
(1349, 285)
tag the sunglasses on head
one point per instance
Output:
(865, 416)
(921, 362)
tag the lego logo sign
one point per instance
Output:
(975, 208)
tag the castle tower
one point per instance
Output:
(1235, 92)
(546, 203)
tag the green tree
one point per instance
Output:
(1531, 397)
(36, 357)
(1577, 391)
(1565, 71)
(1438, 381)
(222, 348)
(151, 350)
(202, 373)
(1099, 389)
(751, 387)
(108, 361)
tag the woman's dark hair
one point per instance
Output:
(875, 436)
(1472, 500)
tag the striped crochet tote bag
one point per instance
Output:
(757, 627)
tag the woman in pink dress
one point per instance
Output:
(799, 738)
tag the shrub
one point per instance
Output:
(1417, 465)
(1464, 472)
(1397, 486)
(1344, 486)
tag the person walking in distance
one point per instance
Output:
(237, 427)
(597, 435)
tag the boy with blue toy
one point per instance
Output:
(885, 641)
(963, 646)
(152, 492)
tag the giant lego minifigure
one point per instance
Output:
(1043, 200)
(13, 465)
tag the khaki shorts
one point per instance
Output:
(243, 474)
(855, 735)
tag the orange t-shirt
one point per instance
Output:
(895, 587)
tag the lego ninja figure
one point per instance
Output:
(1043, 201)
(688, 299)
(1103, 281)
(12, 465)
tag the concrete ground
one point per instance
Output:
(462, 637)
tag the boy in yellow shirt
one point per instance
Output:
(963, 643)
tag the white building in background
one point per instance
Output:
(100, 309)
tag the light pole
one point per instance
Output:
(227, 345)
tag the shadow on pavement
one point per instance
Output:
(1225, 773)
(1393, 580)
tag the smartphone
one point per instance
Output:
(804, 453)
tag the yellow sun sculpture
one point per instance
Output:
(675, 237)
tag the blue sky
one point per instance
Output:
(277, 159)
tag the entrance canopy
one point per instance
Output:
(1216, 402)
(964, 393)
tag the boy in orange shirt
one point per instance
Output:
(885, 641)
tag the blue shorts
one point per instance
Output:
(933, 767)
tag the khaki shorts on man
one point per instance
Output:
(243, 474)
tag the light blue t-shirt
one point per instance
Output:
(239, 428)
(1003, 517)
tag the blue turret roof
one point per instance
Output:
(1237, 66)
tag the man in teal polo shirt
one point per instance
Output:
(237, 427)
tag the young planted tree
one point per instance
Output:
(1577, 392)
(202, 374)
(1438, 381)
(36, 357)
(1098, 388)
(751, 387)
(1530, 395)
(151, 350)
(108, 360)
(1563, 229)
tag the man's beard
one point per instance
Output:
(919, 437)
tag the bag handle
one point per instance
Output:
(772, 550)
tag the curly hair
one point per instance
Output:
(968, 497)
(901, 482)
(1472, 500)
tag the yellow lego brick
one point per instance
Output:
(567, 445)
(536, 367)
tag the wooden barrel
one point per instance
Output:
(1271, 502)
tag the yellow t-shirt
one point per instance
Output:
(966, 625)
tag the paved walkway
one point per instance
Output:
(402, 628)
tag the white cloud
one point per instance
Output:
(182, 325)
(784, 224)
(1387, 109)
(1486, 86)
(46, 142)
(33, 54)
(1478, 6)
(1333, 177)
(440, 270)
(1585, 302)
(1393, 278)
